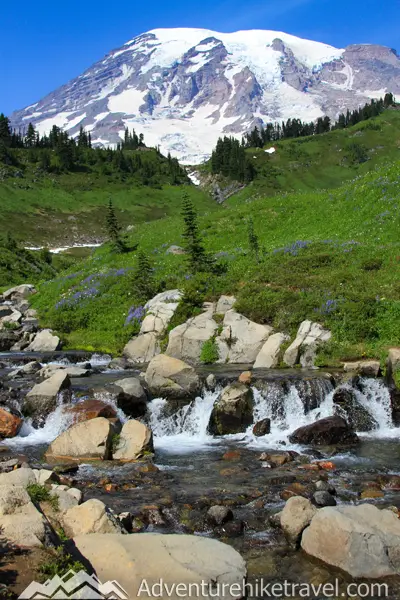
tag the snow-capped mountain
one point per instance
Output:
(183, 88)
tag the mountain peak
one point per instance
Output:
(183, 88)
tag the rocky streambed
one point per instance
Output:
(251, 458)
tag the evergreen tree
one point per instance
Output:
(388, 100)
(253, 240)
(114, 229)
(144, 283)
(30, 139)
(197, 256)
(5, 130)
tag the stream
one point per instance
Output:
(196, 470)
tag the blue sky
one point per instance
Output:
(44, 44)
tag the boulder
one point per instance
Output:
(31, 368)
(365, 368)
(262, 427)
(10, 424)
(392, 363)
(241, 339)
(347, 406)
(89, 440)
(142, 348)
(295, 517)
(134, 441)
(309, 336)
(15, 318)
(224, 304)
(175, 559)
(44, 476)
(66, 497)
(246, 377)
(324, 498)
(5, 310)
(268, 357)
(20, 292)
(233, 411)
(175, 250)
(332, 430)
(44, 341)
(159, 311)
(91, 409)
(19, 477)
(131, 398)
(218, 515)
(186, 341)
(20, 521)
(168, 377)
(7, 339)
(43, 397)
(51, 369)
(90, 517)
(360, 540)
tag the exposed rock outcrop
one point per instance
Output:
(169, 377)
(303, 350)
(89, 440)
(233, 411)
(43, 397)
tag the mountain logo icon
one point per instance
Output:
(73, 586)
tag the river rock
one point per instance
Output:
(90, 517)
(44, 341)
(91, 409)
(142, 348)
(170, 377)
(268, 357)
(392, 363)
(44, 476)
(149, 557)
(365, 368)
(241, 339)
(131, 398)
(218, 515)
(324, 498)
(20, 477)
(309, 337)
(20, 521)
(186, 341)
(295, 517)
(89, 440)
(5, 310)
(159, 311)
(262, 427)
(42, 399)
(66, 497)
(10, 424)
(224, 304)
(361, 540)
(20, 292)
(332, 430)
(233, 411)
(347, 406)
(14, 318)
(135, 440)
(7, 339)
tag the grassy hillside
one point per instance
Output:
(326, 160)
(38, 207)
(332, 256)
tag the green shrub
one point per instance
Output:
(59, 564)
(209, 352)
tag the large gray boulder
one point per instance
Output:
(295, 517)
(392, 363)
(20, 521)
(43, 397)
(141, 560)
(346, 405)
(135, 440)
(186, 341)
(20, 292)
(159, 311)
(169, 377)
(233, 411)
(87, 440)
(224, 304)
(303, 350)
(365, 368)
(44, 341)
(90, 517)
(131, 397)
(268, 357)
(19, 477)
(361, 540)
(142, 348)
(241, 339)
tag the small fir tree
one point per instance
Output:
(114, 229)
(144, 282)
(197, 256)
(253, 240)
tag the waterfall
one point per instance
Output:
(185, 429)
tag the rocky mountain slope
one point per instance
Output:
(183, 88)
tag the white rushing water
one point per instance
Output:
(186, 429)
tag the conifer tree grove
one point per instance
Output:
(197, 256)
